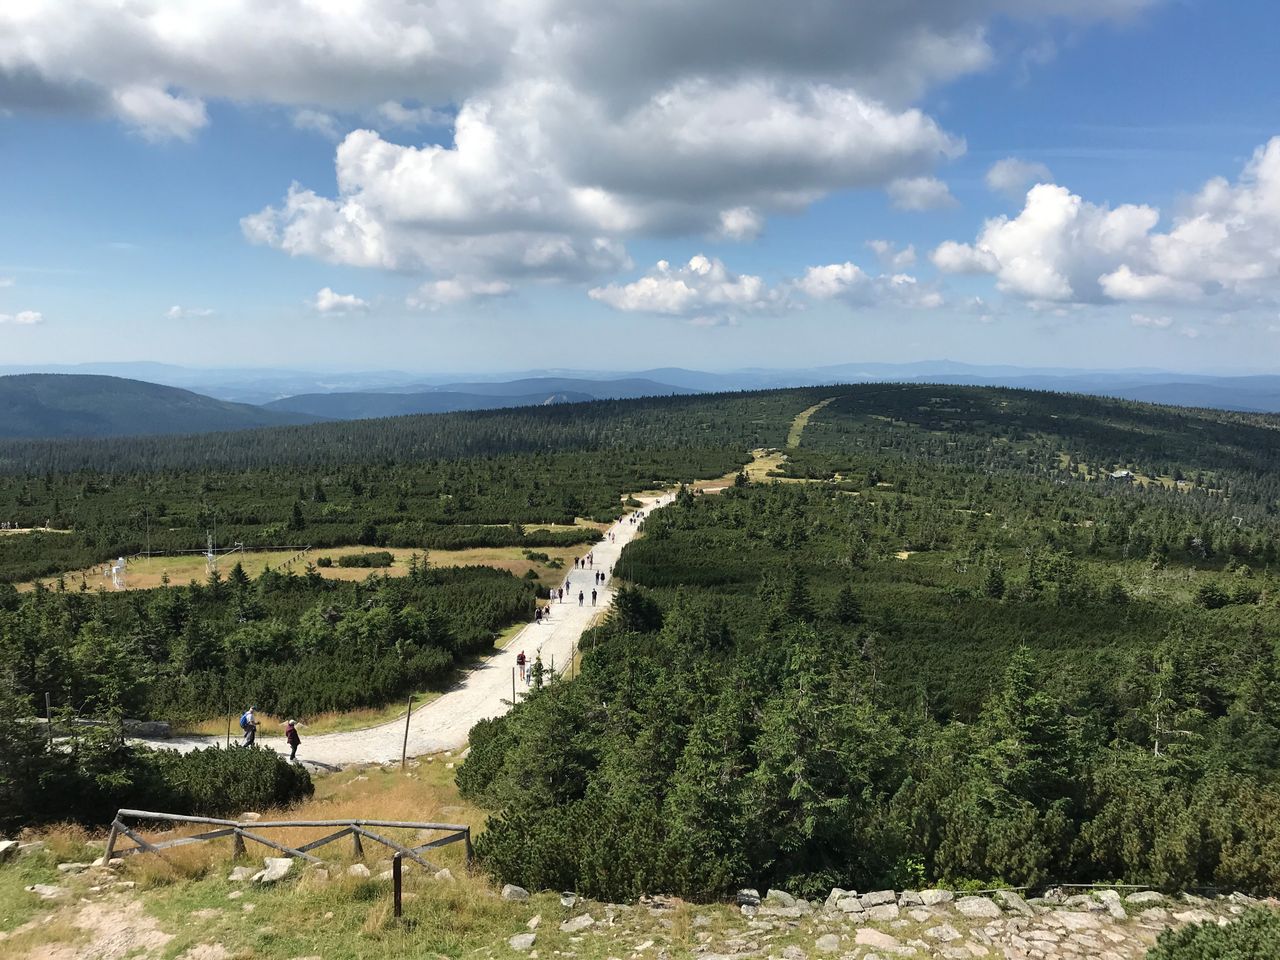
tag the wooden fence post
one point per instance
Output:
(396, 859)
(471, 854)
(357, 846)
(237, 845)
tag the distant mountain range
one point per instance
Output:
(68, 405)
(90, 403)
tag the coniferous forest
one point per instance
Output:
(968, 635)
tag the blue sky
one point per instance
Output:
(486, 187)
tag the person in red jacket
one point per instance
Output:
(292, 739)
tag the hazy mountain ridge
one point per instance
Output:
(81, 405)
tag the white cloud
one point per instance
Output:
(891, 257)
(1012, 176)
(23, 318)
(701, 286)
(187, 313)
(920, 194)
(455, 290)
(1155, 323)
(158, 114)
(327, 301)
(739, 223)
(317, 121)
(6, 282)
(393, 113)
(575, 125)
(850, 284)
(1220, 246)
(1191, 333)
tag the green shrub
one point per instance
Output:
(1255, 936)
(375, 558)
(325, 562)
(215, 782)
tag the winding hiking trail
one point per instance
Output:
(483, 692)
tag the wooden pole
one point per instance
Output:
(404, 750)
(396, 880)
(228, 724)
(513, 686)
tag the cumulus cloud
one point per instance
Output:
(891, 257)
(317, 121)
(575, 125)
(1012, 176)
(177, 312)
(455, 290)
(327, 301)
(700, 287)
(23, 318)
(920, 194)
(1154, 323)
(1062, 248)
(850, 284)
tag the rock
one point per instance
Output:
(250, 817)
(1145, 896)
(567, 899)
(235, 894)
(868, 937)
(978, 908)
(277, 868)
(920, 914)
(152, 729)
(241, 874)
(878, 898)
(577, 924)
(779, 898)
(8, 849)
(910, 898)
(943, 933)
(827, 943)
(318, 876)
(1013, 902)
(534, 921)
(835, 896)
(358, 870)
(931, 898)
(850, 905)
(794, 953)
(386, 876)
(748, 897)
(27, 849)
(46, 891)
(523, 941)
(1193, 916)
(884, 912)
(512, 892)
(790, 913)
(72, 867)
(444, 874)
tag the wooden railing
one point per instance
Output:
(240, 831)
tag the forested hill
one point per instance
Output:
(39, 405)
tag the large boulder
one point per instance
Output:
(748, 897)
(8, 850)
(276, 869)
(827, 943)
(978, 908)
(931, 898)
(577, 924)
(512, 892)
(241, 874)
(523, 941)
(779, 898)
(878, 898)
(1012, 902)
(358, 870)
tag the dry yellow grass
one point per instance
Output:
(802, 420)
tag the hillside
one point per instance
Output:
(75, 405)
(362, 406)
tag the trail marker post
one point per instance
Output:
(404, 759)
(396, 881)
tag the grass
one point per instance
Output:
(802, 420)
(148, 573)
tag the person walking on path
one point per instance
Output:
(292, 739)
(249, 724)
(580, 598)
(520, 662)
(593, 598)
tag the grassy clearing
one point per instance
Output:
(147, 573)
(802, 420)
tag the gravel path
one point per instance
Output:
(483, 692)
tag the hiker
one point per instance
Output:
(249, 724)
(520, 662)
(292, 739)
(537, 615)
(580, 598)
(593, 598)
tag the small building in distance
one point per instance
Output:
(1124, 476)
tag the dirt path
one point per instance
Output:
(483, 692)
(802, 420)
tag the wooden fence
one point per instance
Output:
(239, 831)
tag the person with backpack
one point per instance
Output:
(249, 724)
(292, 739)
(520, 662)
